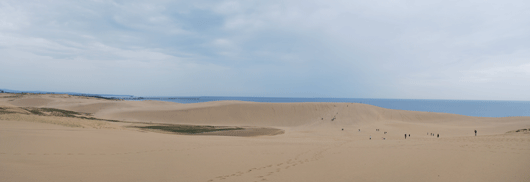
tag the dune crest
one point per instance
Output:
(61, 137)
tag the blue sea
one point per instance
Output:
(480, 108)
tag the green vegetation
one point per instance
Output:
(189, 129)
(60, 112)
(5, 111)
(92, 118)
(35, 111)
(50, 112)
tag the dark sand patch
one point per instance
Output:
(242, 131)
(524, 130)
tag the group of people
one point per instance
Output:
(371, 135)
(376, 130)
(432, 134)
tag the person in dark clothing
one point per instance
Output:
(475, 132)
(405, 136)
(409, 135)
(438, 135)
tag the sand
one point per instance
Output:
(311, 147)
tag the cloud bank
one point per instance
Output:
(360, 49)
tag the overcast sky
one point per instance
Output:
(477, 50)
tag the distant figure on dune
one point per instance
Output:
(438, 135)
(409, 135)
(359, 129)
(342, 129)
(475, 132)
(370, 137)
(405, 136)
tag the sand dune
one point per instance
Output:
(313, 146)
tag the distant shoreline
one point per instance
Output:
(476, 108)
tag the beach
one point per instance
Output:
(58, 137)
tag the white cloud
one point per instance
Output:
(383, 49)
(499, 74)
(11, 18)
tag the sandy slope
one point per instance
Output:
(313, 148)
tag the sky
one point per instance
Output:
(462, 50)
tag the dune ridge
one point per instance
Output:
(308, 142)
(282, 114)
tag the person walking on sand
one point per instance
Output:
(405, 136)
(438, 136)
(475, 132)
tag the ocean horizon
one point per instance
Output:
(478, 108)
